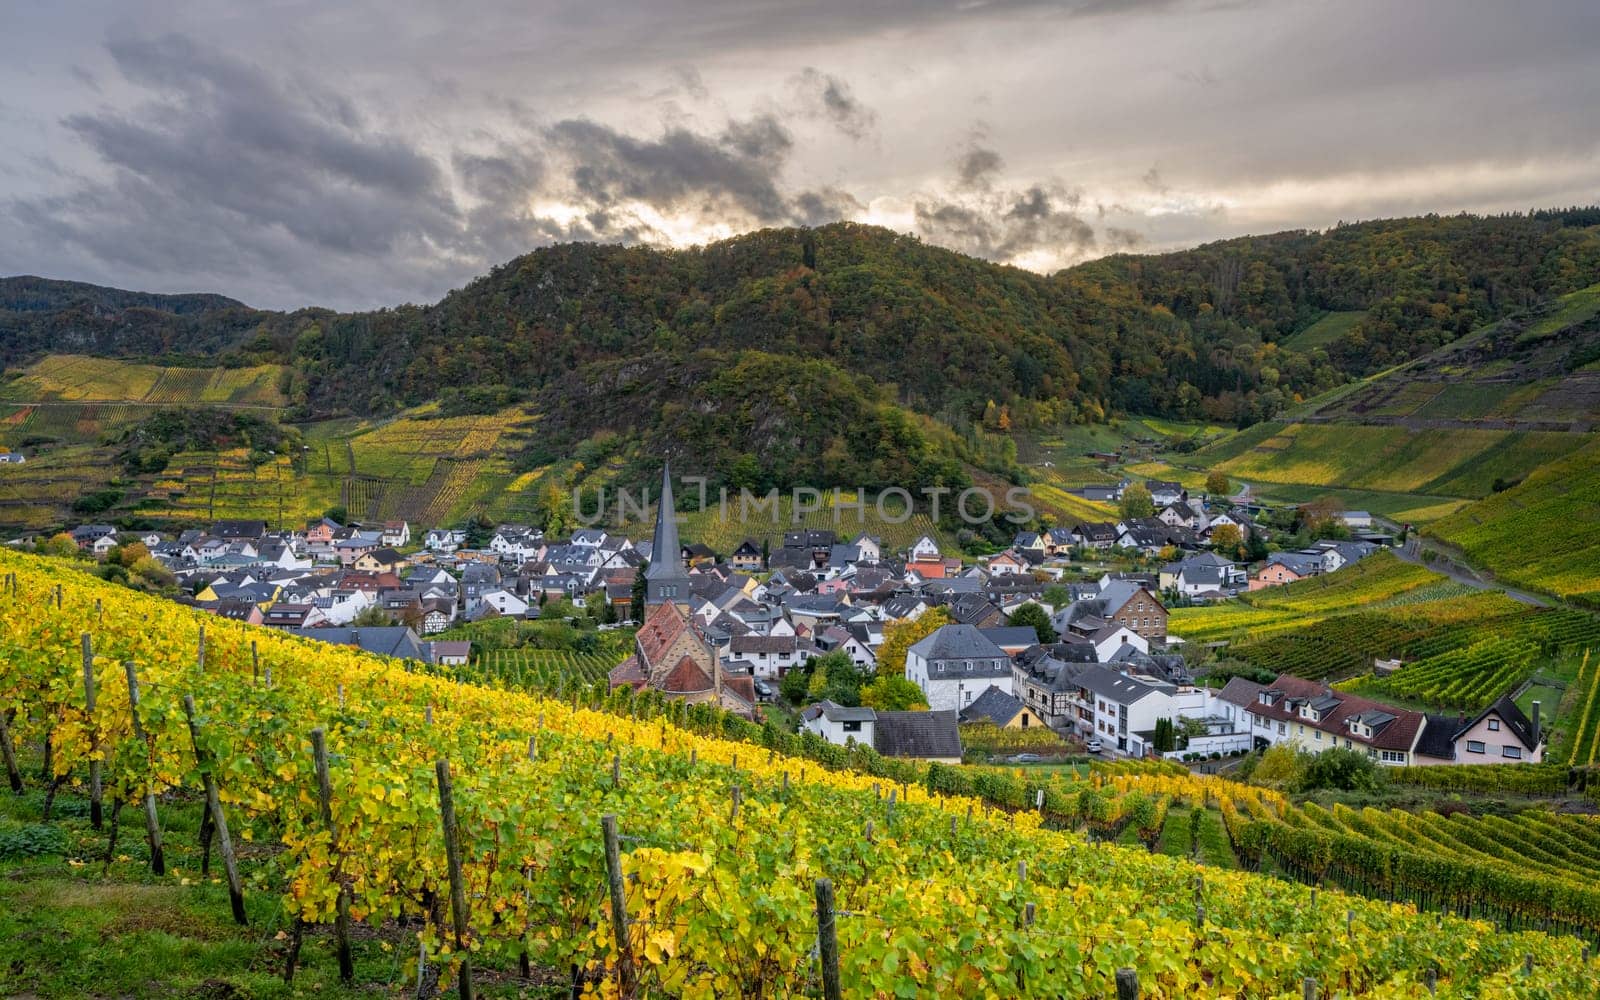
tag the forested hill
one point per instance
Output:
(39, 315)
(1210, 332)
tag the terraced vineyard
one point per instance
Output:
(1380, 579)
(714, 890)
(1538, 534)
(1540, 862)
(76, 378)
(1467, 678)
(723, 535)
(1455, 462)
(1464, 647)
(1585, 735)
(550, 670)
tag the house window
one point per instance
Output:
(1394, 757)
(1319, 736)
(1515, 753)
(1282, 728)
(1474, 746)
(852, 727)
(1494, 725)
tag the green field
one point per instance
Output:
(1330, 327)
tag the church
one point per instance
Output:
(669, 655)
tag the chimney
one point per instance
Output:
(1536, 725)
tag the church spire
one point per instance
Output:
(665, 579)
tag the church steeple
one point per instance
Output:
(665, 579)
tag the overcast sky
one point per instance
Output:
(371, 153)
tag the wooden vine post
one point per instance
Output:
(96, 779)
(828, 940)
(341, 918)
(152, 826)
(230, 864)
(1127, 984)
(619, 904)
(458, 884)
(10, 754)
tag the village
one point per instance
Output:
(1018, 641)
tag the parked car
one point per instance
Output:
(1026, 758)
(1093, 746)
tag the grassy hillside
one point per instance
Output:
(1538, 369)
(1327, 329)
(1538, 534)
(712, 908)
(1444, 463)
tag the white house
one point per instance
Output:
(956, 664)
(506, 603)
(396, 533)
(839, 723)
(868, 549)
(771, 655)
(1111, 639)
(925, 549)
(444, 539)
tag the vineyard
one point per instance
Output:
(1378, 580)
(548, 670)
(1585, 748)
(1456, 462)
(897, 531)
(76, 378)
(481, 830)
(1538, 863)
(1536, 534)
(1468, 678)
(1464, 648)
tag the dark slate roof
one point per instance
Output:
(917, 734)
(1241, 691)
(1011, 635)
(388, 640)
(1438, 738)
(1513, 718)
(835, 712)
(957, 642)
(994, 705)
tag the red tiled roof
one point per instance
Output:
(686, 678)
(628, 672)
(661, 628)
(1399, 734)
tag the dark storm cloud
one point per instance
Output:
(227, 167)
(1010, 225)
(287, 160)
(816, 208)
(679, 169)
(830, 97)
(977, 166)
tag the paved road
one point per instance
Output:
(1412, 552)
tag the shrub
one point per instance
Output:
(32, 841)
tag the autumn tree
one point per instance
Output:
(1217, 483)
(1226, 540)
(1136, 502)
(888, 693)
(898, 637)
